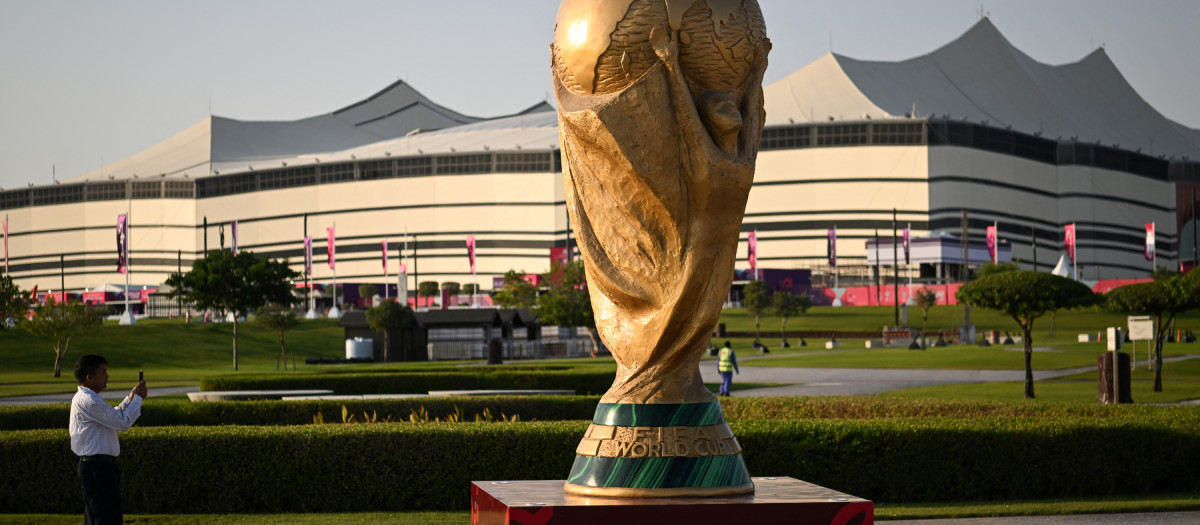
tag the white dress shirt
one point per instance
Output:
(94, 423)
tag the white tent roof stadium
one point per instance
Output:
(973, 134)
(979, 77)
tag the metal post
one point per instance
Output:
(1033, 244)
(962, 272)
(206, 235)
(62, 275)
(895, 271)
(878, 272)
(307, 284)
(416, 276)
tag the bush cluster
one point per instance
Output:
(582, 381)
(419, 466)
(565, 408)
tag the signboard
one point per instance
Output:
(1141, 328)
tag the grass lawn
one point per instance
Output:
(883, 512)
(1067, 325)
(1049, 391)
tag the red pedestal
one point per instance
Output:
(775, 500)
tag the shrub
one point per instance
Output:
(428, 466)
(581, 381)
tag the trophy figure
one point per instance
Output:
(660, 115)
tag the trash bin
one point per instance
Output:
(721, 330)
(1104, 367)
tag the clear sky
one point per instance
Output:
(86, 82)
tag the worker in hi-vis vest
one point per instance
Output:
(726, 365)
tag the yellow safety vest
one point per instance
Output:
(725, 360)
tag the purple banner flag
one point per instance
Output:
(308, 255)
(122, 243)
(831, 247)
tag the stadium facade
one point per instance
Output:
(976, 126)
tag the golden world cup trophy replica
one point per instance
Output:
(660, 114)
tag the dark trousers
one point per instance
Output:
(101, 492)
(726, 382)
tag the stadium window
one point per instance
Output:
(105, 191)
(381, 169)
(337, 173)
(898, 133)
(523, 162)
(14, 199)
(414, 166)
(57, 195)
(790, 137)
(841, 134)
(179, 189)
(146, 190)
(464, 164)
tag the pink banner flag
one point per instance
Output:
(471, 252)
(308, 255)
(122, 243)
(383, 244)
(233, 232)
(831, 247)
(1149, 253)
(993, 250)
(330, 249)
(906, 245)
(1070, 242)
(752, 249)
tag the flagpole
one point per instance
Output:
(836, 271)
(385, 268)
(1074, 252)
(908, 262)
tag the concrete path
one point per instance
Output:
(110, 395)
(866, 381)
(1154, 518)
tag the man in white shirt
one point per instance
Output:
(93, 427)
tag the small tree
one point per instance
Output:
(567, 302)
(62, 321)
(516, 292)
(14, 302)
(786, 305)
(1025, 295)
(756, 298)
(1163, 298)
(427, 288)
(239, 283)
(990, 269)
(470, 288)
(924, 299)
(367, 291)
(388, 316)
(452, 288)
(278, 318)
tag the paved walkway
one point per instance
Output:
(797, 381)
(110, 395)
(1155, 518)
(865, 381)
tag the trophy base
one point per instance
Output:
(658, 450)
(775, 500)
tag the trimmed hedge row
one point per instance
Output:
(582, 381)
(271, 413)
(559, 408)
(337, 468)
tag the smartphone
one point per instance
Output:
(140, 376)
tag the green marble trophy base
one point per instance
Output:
(659, 450)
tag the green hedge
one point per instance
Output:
(557, 408)
(157, 413)
(582, 381)
(403, 466)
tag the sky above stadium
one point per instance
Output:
(86, 83)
